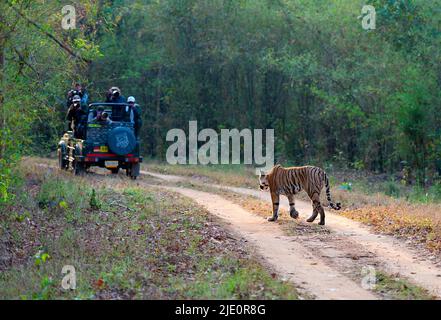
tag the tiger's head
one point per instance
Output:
(263, 181)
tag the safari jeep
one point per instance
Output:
(107, 145)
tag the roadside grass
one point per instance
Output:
(393, 287)
(415, 217)
(124, 242)
(413, 223)
(234, 175)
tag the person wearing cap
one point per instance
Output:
(114, 96)
(135, 114)
(80, 91)
(105, 118)
(101, 116)
(75, 115)
(95, 115)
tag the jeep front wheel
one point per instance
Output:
(63, 164)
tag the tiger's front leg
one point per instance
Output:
(292, 210)
(275, 201)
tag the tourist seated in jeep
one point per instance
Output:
(99, 116)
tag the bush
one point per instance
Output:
(392, 189)
(435, 191)
(60, 196)
(5, 180)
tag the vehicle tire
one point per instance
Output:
(63, 164)
(115, 170)
(121, 140)
(134, 171)
(78, 168)
(129, 170)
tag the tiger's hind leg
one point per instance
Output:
(292, 210)
(275, 201)
(317, 208)
(322, 214)
(313, 216)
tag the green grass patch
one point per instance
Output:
(400, 289)
(241, 281)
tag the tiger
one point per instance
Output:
(292, 180)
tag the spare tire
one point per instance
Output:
(121, 140)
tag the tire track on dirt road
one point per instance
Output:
(390, 253)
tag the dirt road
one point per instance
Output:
(327, 265)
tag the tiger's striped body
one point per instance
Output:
(290, 181)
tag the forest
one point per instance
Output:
(334, 92)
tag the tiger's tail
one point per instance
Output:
(337, 205)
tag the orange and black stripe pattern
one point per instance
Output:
(292, 180)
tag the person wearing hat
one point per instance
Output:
(101, 116)
(135, 114)
(80, 91)
(75, 115)
(114, 96)
(105, 118)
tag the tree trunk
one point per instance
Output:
(2, 88)
(158, 110)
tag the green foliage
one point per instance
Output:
(94, 203)
(4, 181)
(346, 186)
(392, 189)
(40, 258)
(35, 74)
(331, 90)
(45, 289)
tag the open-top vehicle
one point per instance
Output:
(108, 144)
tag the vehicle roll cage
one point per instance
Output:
(95, 104)
(116, 108)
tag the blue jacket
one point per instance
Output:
(120, 99)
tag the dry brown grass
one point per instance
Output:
(415, 223)
(233, 175)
